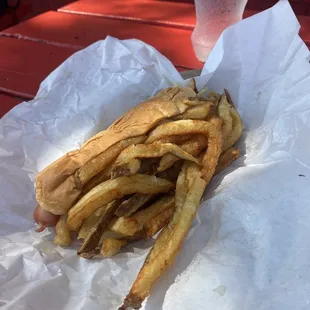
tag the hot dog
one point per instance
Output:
(59, 185)
(44, 218)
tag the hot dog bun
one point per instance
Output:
(57, 186)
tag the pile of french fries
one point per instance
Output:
(151, 183)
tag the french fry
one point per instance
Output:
(227, 94)
(224, 114)
(131, 167)
(62, 234)
(137, 201)
(97, 164)
(192, 85)
(90, 222)
(171, 174)
(156, 149)
(149, 165)
(175, 139)
(192, 146)
(129, 187)
(226, 158)
(156, 223)
(111, 247)
(157, 207)
(236, 130)
(211, 129)
(89, 247)
(181, 187)
(213, 97)
(97, 179)
(197, 100)
(124, 226)
(199, 112)
(214, 150)
(132, 204)
(129, 226)
(167, 244)
(111, 190)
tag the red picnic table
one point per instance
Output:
(32, 49)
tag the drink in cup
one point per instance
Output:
(213, 16)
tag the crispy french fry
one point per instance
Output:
(224, 113)
(210, 159)
(142, 185)
(199, 112)
(172, 173)
(181, 187)
(211, 129)
(137, 201)
(89, 247)
(132, 204)
(156, 149)
(213, 97)
(192, 85)
(129, 226)
(156, 223)
(167, 161)
(197, 100)
(175, 139)
(99, 163)
(167, 244)
(236, 130)
(149, 165)
(192, 146)
(62, 234)
(91, 222)
(226, 158)
(124, 226)
(131, 167)
(111, 247)
(227, 94)
(111, 190)
(97, 179)
(157, 207)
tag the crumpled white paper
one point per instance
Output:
(248, 248)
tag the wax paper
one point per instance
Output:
(249, 245)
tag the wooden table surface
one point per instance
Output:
(48, 39)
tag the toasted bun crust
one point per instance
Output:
(56, 186)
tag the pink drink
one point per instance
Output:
(213, 16)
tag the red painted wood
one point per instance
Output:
(303, 20)
(28, 9)
(157, 12)
(163, 12)
(7, 103)
(300, 7)
(76, 30)
(24, 64)
(7, 19)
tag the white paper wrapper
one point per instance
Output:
(248, 248)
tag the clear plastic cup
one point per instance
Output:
(213, 16)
